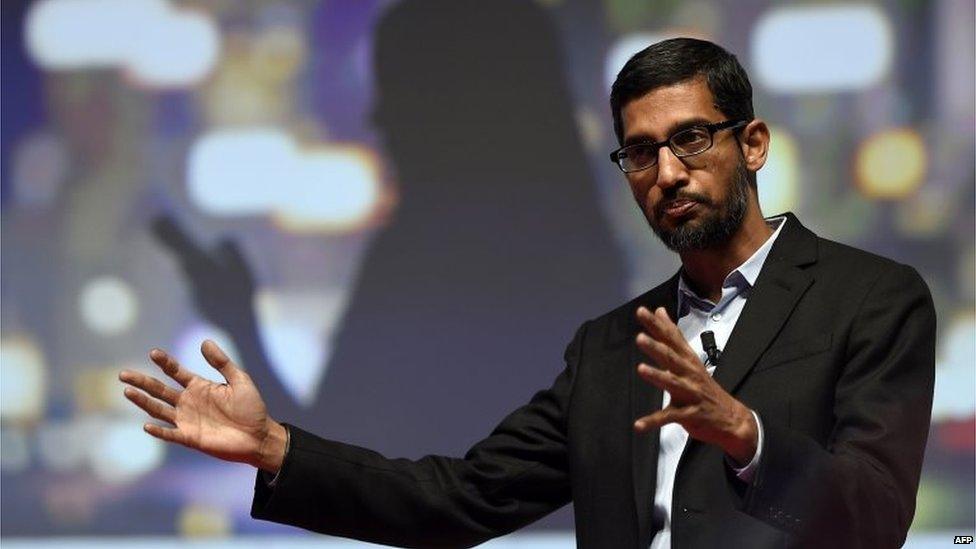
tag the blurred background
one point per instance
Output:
(395, 214)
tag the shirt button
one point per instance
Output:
(716, 316)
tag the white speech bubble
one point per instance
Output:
(263, 171)
(152, 41)
(822, 48)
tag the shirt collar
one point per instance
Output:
(742, 277)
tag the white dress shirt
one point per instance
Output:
(697, 315)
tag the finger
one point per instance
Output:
(681, 390)
(673, 333)
(220, 361)
(661, 418)
(171, 367)
(168, 434)
(664, 356)
(648, 320)
(150, 385)
(659, 326)
(151, 406)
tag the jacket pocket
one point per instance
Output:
(788, 351)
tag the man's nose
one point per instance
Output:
(671, 170)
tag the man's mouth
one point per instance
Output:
(678, 207)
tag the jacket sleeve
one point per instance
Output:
(859, 490)
(516, 475)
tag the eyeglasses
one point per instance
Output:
(688, 142)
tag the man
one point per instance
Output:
(788, 406)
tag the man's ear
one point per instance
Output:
(754, 141)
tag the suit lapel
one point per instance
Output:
(779, 287)
(644, 399)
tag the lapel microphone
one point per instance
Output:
(711, 349)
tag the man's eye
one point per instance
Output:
(640, 153)
(690, 140)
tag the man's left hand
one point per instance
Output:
(698, 402)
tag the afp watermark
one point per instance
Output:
(962, 540)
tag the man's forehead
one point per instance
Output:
(661, 110)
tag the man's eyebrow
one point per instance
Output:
(697, 121)
(683, 125)
(638, 138)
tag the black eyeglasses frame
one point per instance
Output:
(616, 156)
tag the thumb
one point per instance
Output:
(221, 362)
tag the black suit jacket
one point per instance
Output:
(834, 350)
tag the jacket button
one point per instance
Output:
(684, 509)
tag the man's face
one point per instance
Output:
(696, 202)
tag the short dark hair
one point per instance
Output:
(677, 60)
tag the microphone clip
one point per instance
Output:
(711, 349)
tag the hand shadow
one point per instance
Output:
(222, 286)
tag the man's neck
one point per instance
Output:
(705, 270)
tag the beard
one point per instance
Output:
(713, 228)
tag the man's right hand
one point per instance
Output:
(229, 421)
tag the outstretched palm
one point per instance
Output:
(228, 421)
